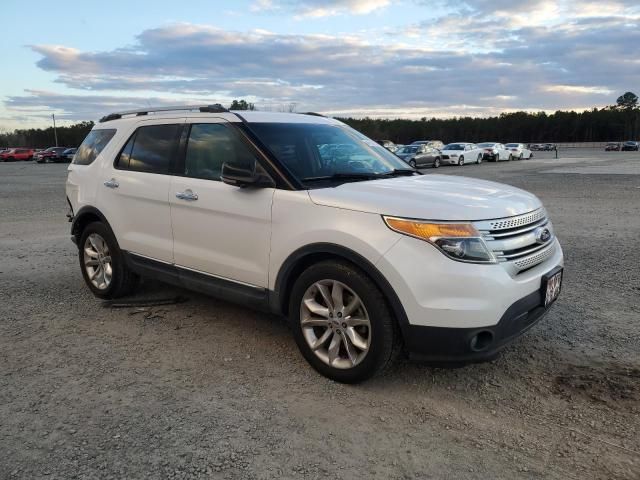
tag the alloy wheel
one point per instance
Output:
(335, 324)
(97, 261)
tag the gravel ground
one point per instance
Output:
(206, 389)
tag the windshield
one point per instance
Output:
(407, 150)
(485, 145)
(454, 146)
(512, 145)
(311, 150)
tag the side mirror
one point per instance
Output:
(240, 176)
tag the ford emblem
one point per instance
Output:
(543, 235)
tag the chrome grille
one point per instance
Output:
(513, 240)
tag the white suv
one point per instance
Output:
(302, 216)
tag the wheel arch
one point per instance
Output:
(308, 255)
(84, 217)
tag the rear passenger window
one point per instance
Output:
(150, 149)
(92, 145)
(209, 146)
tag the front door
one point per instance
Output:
(219, 229)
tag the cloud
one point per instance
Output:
(321, 8)
(470, 64)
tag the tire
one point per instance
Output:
(521, 156)
(412, 163)
(122, 281)
(380, 334)
(496, 158)
(510, 157)
(10, 159)
(479, 159)
(461, 161)
(436, 163)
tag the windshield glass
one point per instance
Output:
(485, 145)
(311, 150)
(454, 146)
(512, 145)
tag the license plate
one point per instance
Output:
(551, 284)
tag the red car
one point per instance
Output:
(51, 154)
(16, 154)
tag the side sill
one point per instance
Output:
(252, 297)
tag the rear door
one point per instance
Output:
(134, 189)
(218, 229)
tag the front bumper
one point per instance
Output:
(459, 346)
(448, 303)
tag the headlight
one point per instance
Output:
(459, 241)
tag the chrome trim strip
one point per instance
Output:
(519, 255)
(540, 223)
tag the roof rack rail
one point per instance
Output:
(214, 108)
(312, 113)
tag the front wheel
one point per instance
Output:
(510, 157)
(521, 156)
(412, 163)
(436, 162)
(479, 159)
(341, 322)
(102, 262)
(461, 161)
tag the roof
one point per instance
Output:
(215, 111)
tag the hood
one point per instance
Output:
(429, 197)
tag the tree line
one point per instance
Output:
(618, 122)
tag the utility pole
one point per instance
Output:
(55, 132)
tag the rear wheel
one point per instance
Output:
(479, 159)
(461, 161)
(102, 262)
(341, 322)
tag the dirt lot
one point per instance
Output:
(205, 389)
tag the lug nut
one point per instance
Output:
(344, 325)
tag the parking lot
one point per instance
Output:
(206, 389)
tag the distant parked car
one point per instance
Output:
(548, 147)
(431, 143)
(69, 153)
(519, 150)
(51, 154)
(631, 146)
(14, 154)
(460, 152)
(495, 152)
(388, 144)
(612, 147)
(420, 156)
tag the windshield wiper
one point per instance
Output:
(360, 175)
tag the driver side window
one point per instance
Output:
(209, 146)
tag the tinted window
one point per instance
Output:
(92, 145)
(151, 149)
(209, 146)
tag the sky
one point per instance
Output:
(377, 58)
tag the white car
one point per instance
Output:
(519, 151)
(460, 152)
(302, 216)
(495, 152)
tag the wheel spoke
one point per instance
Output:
(351, 353)
(356, 339)
(315, 308)
(91, 253)
(315, 322)
(351, 307)
(326, 296)
(106, 259)
(108, 271)
(322, 340)
(94, 244)
(337, 296)
(356, 321)
(95, 273)
(334, 348)
(92, 263)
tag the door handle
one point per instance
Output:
(187, 195)
(111, 183)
